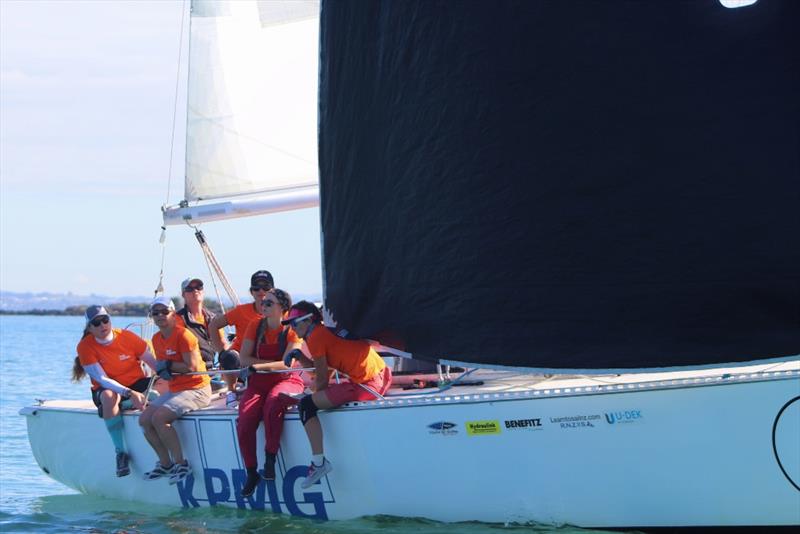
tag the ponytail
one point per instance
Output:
(78, 372)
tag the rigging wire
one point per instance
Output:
(214, 267)
(175, 104)
(163, 238)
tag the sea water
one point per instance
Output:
(36, 355)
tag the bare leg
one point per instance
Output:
(109, 401)
(162, 423)
(150, 433)
(230, 381)
(313, 426)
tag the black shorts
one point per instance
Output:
(140, 386)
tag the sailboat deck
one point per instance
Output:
(482, 385)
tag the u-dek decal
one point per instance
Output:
(576, 421)
(482, 428)
(523, 424)
(275, 495)
(444, 428)
(620, 418)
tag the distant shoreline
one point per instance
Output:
(66, 313)
(117, 309)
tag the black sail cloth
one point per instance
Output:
(583, 185)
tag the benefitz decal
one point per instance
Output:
(523, 424)
(480, 428)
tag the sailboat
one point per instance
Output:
(589, 208)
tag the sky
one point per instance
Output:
(87, 95)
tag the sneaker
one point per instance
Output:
(316, 472)
(123, 469)
(269, 468)
(251, 483)
(159, 472)
(180, 472)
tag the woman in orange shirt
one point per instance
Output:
(113, 359)
(368, 377)
(265, 345)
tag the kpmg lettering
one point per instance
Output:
(278, 498)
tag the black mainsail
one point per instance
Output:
(567, 185)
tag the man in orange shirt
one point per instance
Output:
(177, 351)
(369, 377)
(240, 317)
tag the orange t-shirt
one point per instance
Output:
(269, 344)
(119, 359)
(356, 358)
(240, 317)
(172, 348)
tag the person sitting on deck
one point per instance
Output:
(177, 352)
(240, 316)
(265, 344)
(368, 377)
(113, 359)
(195, 318)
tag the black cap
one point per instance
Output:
(261, 278)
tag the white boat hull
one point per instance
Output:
(723, 450)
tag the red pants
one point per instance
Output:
(260, 402)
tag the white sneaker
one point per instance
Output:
(316, 472)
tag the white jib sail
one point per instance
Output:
(252, 107)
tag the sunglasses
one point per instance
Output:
(156, 313)
(193, 288)
(260, 288)
(102, 320)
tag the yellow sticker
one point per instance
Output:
(478, 428)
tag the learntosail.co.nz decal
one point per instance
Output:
(576, 421)
(278, 496)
